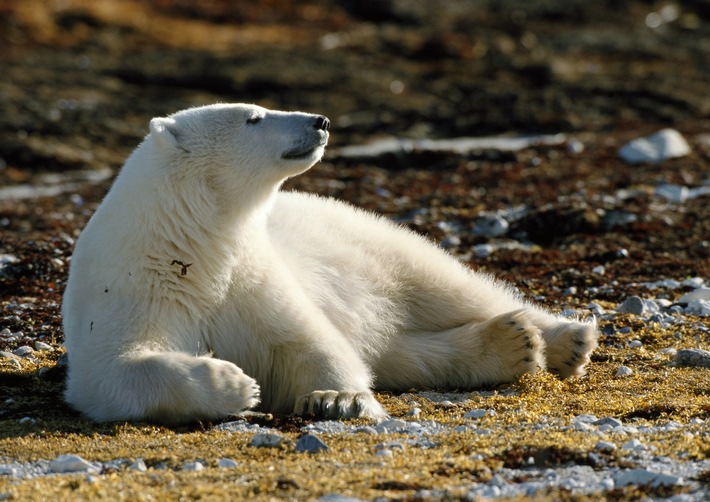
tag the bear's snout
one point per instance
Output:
(322, 123)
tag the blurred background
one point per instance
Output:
(80, 78)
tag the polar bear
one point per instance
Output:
(199, 290)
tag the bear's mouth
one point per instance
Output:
(302, 152)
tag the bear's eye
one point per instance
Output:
(255, 119)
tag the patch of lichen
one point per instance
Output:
(530, 425)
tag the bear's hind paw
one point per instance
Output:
(569, 347)
(339, 404)
(517, 343)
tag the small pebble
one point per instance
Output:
(613, 422)
(634, 344)
(71, 463)
(585, 419)
(624, 371)
(634, 445)
(138, 465)
(227, 463)
(310, 443)
(23, 351)
(665, 144)
(480, 413)
(491, 226)
(193, 466)
(632, 305)
(414, 412)
(390, 425)
(645, 477)
(43, 347)
(605, 446)
(266, 439)
(599, 270)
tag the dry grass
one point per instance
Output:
(655, 394)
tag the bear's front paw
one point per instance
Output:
(227, 388)
(335, 404)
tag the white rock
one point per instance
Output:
(491, 226)
(584, 419)
(480, 413)
(693, 282)
(624, 371)
(634, 445)
(699, 307)
(193, 466)
(23, 351)
(266, 439)
(310, 443)
(599, 270)
(632, 305)
(71, 463)
(227, 463)
(384, 453)
(701, 293)
(645, 477)
(414, 412)
(665, 144)
(610, 421)
(673, 193)
(138, 465)
(43, 347)
(390, 425)
(634, 344)
(605, 446)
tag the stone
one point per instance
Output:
(694, 358)
(624, 371)
(266, 440)
(645, 477)
(665, 144)
(480, 413)
(23, 351)
(43, 347)
(138, 465)
(71, 463)
(310, 443)
(632, 305)
(193, 466)
(227, 463)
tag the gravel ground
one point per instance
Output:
(523, 139)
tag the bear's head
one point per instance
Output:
(239, 147)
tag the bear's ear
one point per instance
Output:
(165, 133)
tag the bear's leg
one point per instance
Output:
(569, 344)
(164, 387)
(474, 354)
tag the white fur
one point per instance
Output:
(198, 290)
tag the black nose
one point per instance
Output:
(322, 123)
